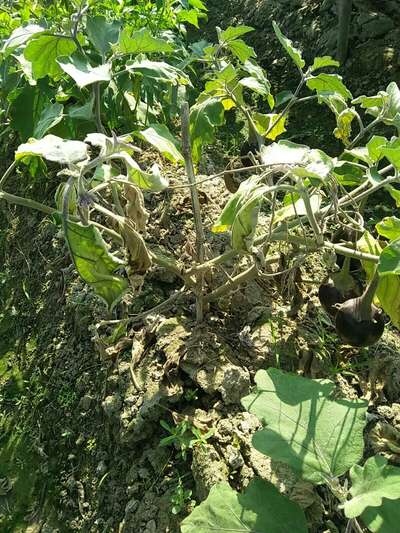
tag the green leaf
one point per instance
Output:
(51, 115)
(43, 52)
(263, 123)
(375, 146)
(328, 83)
(80, 70)
(394, 193)
(191, 16)
(231, 33)
(94, 263)
(158, 71)
(26, 109)
(148, 181)
(205, 116)
(246, 219)
(389, 260)
(370, 484)
(389, 227)
(19, 37)
(305, 427)
(287, 44)
(383, 519)
(324, 61)
(159, 136)
(388, 291)
(261, 508)
(392, 152)
(53, 148)
(241, 50)
(82, 112)
(140, 42)
(102, 34)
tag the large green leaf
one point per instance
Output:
(205, 116)
(44, 50)
(391, 150)
(375, 146)
(324, 61)
(370, 484)
(328, 83)
(388, 291)
(257, 81)
(94, 263)
(260, 509)
(53, 148)
(159, 136)
(389, 260)
(241, 50)
(19, 37)
(141, 42)
(149, 181)
(51, 115)
(287, 44)
(157, 71)
(102, 34)
(389, 227)
(81, 71)
(383, 519)
(319, 437)
(232, 33)
(26, 110)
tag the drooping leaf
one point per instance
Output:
(53, 148)
(94, 263)
(226, 87)
(388, 291)
(81, 71)
(287, 44)
(44, 50)
(297, 208)
(370, 484)
(161, 138)
(284, 152)
(257, 81)
(245, 222)
(158, 71)
(149, 181)
(19, 37)
(304, 426)
(324, 61)
(261, 508)
(205, 116)
(51, 115)
(102, 34)
(111, 145)
(389, 260)
(389, 227)
(328, 83)
(140, 42)
(344, 121)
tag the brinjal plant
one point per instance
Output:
(320, 437)
(128, 86)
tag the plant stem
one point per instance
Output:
(6, 174)
(26, 202)
(363, 132)
(97, 97)
(344, 9)
(200, 239)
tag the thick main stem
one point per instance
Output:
(198, 223)
(344, 12)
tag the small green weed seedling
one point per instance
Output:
(180, 498)
(184, 436)
(321, 438)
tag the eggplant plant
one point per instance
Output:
(306, 193)
(320, 437)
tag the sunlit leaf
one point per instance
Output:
(157, 71)
(324, 61)
(304, 426)
(81, 71)
(287, 44)
(264, 122)
(232, 33)
(102, 34)
(141, 42)
(241, 50)
(375, 146)
(44, 50)
(389, 260)
(19, 37)
(261, 508)
(328, 83)
(53, 148)
(389, 227)
(161, 138)
(205, 116)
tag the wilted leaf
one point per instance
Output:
(343, 128)
(205, 115)
(370, 484)
(94, 263)
(80, 70)
(385, 440)
(297, 208)
(134, 208)
(388, 291)
(150, 181)
(304, 427)
(287, 44)
(161, 138)
(44, 50)
(139, 260)
(53, 148)
(261, 508)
